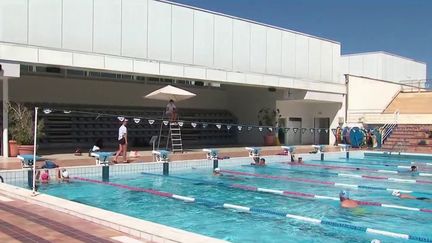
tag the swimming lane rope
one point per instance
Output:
(353, 168)
(312, 181)
(422, 168)
(289, 193)
(365, 177)
(255, 210)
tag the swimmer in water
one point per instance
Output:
(408, 196)
(300, 160)
(45, 176)
(216, 172)
(63, 175)
(345, 200)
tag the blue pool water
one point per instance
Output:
(244, 227)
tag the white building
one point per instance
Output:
(373, 81)
(112, 52)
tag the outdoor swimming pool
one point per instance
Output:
(310, 190)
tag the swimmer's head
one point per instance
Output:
(413, 168)
(216, 170)
(375, 241)
(343, 195)
(396, 193)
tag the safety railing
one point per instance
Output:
(416, 85)
(387, 131)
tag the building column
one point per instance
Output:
(5, 117)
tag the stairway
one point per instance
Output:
(410, 138)
(176, 138)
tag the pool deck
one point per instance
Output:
(28, 219)
(68, 160)
(26, 222)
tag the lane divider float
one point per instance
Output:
(354, 168)
(328, 183)
(408, 167)
(364, 177)
(386, 161)
(289, 193)
(261, 211)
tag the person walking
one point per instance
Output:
(122, 141)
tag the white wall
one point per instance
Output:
(162, 31)
(307, 111)
(368, 95)
(384, 66)
(245, 102)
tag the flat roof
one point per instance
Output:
(382, 52)
(246, 20)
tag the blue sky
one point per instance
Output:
(402, 27)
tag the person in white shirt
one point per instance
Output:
(171, 111)
(122, 141)
(63, 175)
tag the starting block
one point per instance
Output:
(27, 160)
(318, 148)
(212, 154)
(161, 155)
(287, 149)
(344, 147)
(253, 151)
(102, 158)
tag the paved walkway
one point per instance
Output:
(24, 222)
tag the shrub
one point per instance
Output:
(21, 124)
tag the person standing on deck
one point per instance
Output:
(122, 141)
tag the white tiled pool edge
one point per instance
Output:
(136, 227)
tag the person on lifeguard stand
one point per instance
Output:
(171, 111)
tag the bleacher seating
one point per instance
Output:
(410, 138)
(82, 129)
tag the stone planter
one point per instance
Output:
(269, 139)
(13, 148)
(25, 149)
